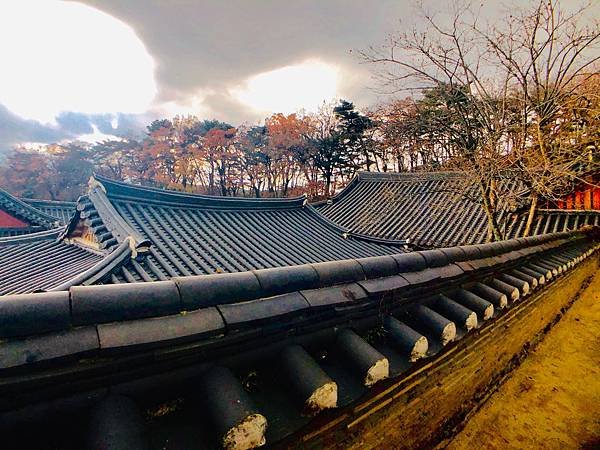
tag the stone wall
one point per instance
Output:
(435, 398)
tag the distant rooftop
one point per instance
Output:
(434, 209)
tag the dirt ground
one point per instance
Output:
(553, 399)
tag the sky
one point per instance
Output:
(98, 68)
(93, 69)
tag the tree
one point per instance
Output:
(330, 156)
(491, 97)
(353, 127)
(285, 141)
(58, 172)
(219, 152)
(550, 54)
(446, 62)
(252, 142)
(115, 158)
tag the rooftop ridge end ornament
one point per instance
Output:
(93, 182)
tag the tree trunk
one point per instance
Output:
(532, 208)
(327, 184)
(494, 231)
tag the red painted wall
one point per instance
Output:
(587, 199)
(8, 221)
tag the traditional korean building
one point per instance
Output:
(182, 321)
(436, 209)
(59, 209)
(121, 233)
(19, 217)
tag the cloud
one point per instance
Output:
(203, 52)
(15, 130)
(215, 46)
(66, 56)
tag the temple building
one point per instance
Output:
(156, 319)
(22, 216)
(436, 209)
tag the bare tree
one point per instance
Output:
(498, 94)
(448, 57)
(550, 54)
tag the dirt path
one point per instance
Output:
(553, 399)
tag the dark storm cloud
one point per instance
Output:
(74, 123)
(14, 129)
(69, 125)
(214, 45)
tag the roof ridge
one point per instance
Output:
(40, 235)
(112, 228)
(127, 191)
(348, 233)
(29, 200)
(567, 211)
(392, 176)
(121, 255)
(26, 211)
(362, 175)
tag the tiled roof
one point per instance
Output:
(434, 209)
(60, 210)
(122, 233)
(186, 234)
(308, 333)
(40, 261)
(36, 219)
(553, 221)
(428, 209)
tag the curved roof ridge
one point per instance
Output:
(24, 210)
(399, 176)
(338, 195)
(362, 175)
(114, 228)
(59, 209)
(127, 191)
(32, 237)
(103, 268)
(568, 211)
(29, 201)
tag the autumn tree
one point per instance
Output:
(254, 158)
(398, 134)
(492, 99)
(58, 172)
(285, 142)
(117, 158)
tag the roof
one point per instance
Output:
(308, 333)
(59, 209)
(553, 221)
(184, 234)
(434, 209)
(33, 218)
(44, 261)
(121, 233)
(430, 209)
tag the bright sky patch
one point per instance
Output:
(291, 88)
(64, 56)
